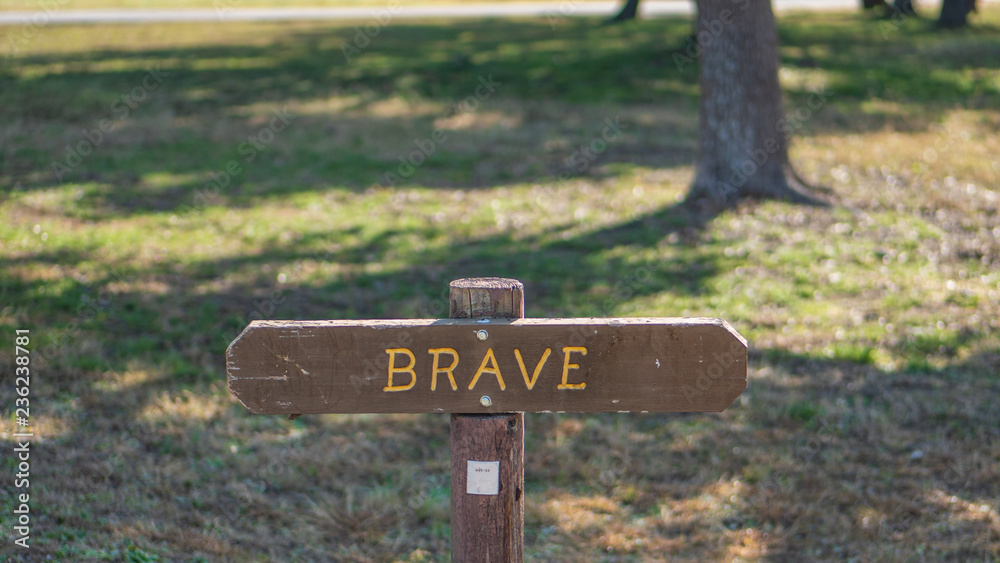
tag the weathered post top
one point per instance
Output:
(472, 298)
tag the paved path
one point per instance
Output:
(648, 8)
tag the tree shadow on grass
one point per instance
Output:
(815, 443)
(812, 447)
(162, 155)
(822, 444)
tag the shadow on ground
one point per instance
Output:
(216, 96)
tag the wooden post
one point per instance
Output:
(487, 517)
(360, 366)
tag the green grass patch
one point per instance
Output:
(872, 324)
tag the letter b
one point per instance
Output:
(407, 369)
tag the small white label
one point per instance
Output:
(484, 478)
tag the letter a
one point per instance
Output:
(488, 359)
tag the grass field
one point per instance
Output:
(226, 173)
(32, 5)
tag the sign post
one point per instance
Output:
(487, 365)
(487, 450)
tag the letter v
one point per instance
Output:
(538, 368)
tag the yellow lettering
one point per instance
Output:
(435, 369)
(393, 369)
(491, 359)
(568, 366)
(538, 368)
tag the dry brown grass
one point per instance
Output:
(870, 430)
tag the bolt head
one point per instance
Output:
(486, 401)
(482, 334)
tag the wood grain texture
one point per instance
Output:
(487, 528)
(472, 298)
(631, 365)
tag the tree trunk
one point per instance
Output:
(628, 12)
(904, 7)
(872, 4)
(743, 135)
(954, 13)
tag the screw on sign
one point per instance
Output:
(486, 365)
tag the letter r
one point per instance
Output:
(435, 369)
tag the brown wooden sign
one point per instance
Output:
(488, 366)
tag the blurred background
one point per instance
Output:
(163, 183)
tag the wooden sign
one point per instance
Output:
(488, 366)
